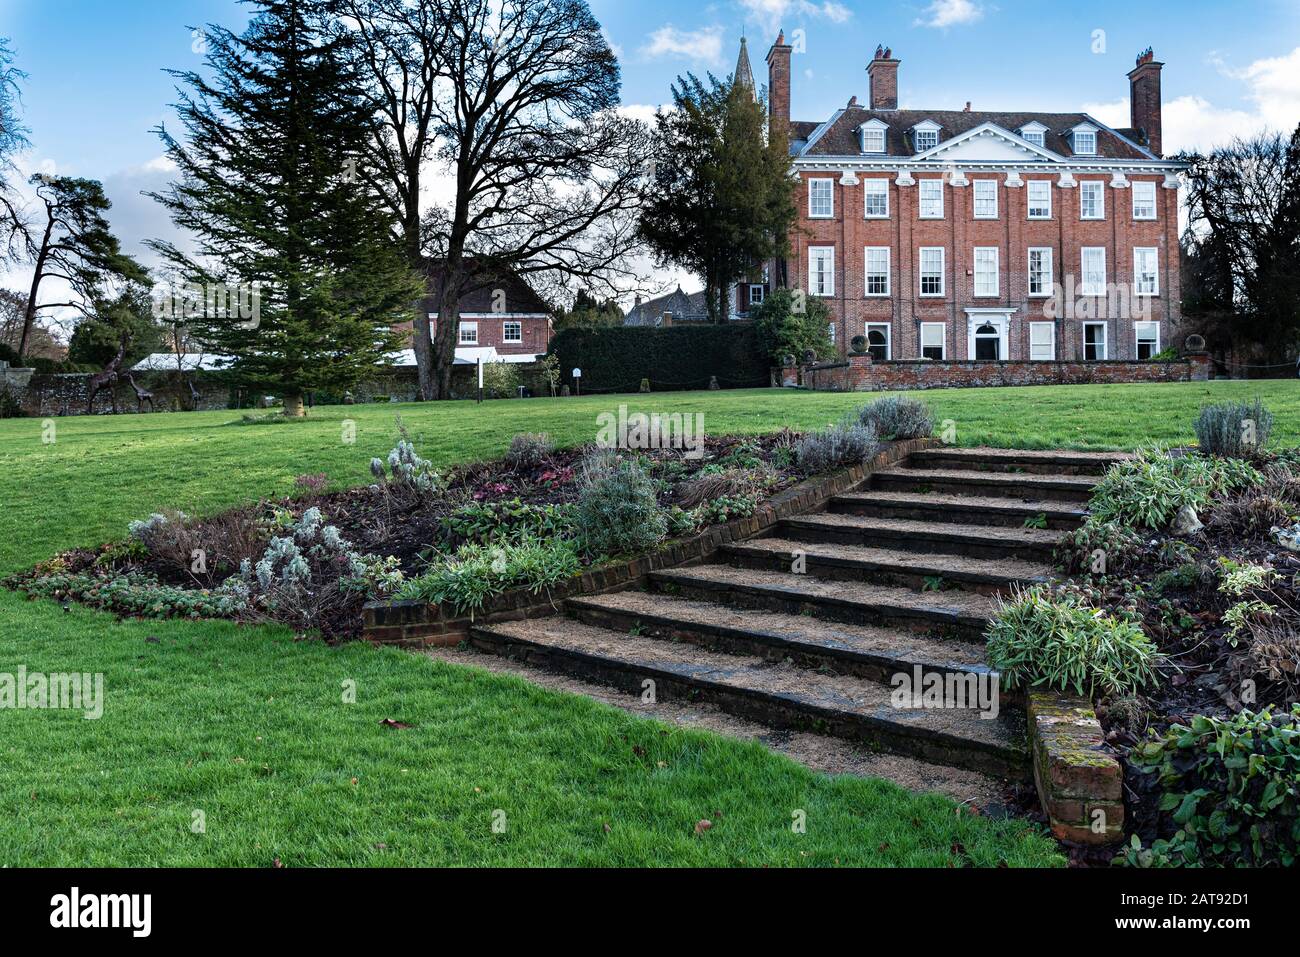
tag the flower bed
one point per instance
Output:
(536, 519)
(1190, 560)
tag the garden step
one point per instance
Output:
(887, 566)
(781, 695)
(875, 653)
(992, 542)
(959, 509)
(1018, 460)
(960, 613)
(1064, 488)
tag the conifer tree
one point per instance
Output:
(283, 225)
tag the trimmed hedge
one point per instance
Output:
(678, 358)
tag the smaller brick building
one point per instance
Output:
(503, 313)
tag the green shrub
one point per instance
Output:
(1148, 490)
(134, 594)
(482, 523)
(1041, 640)
(1229, 790)
(726, 508)
(680, 357)
(501, 380)
(529, 450)
(475, 573)
(1235, 429)
(839, 446)
(1098, 548)
(10, 407)
(791, 323)
(618, 511)
(897, 417)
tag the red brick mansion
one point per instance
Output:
(961, 235)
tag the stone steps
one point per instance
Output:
(895, 583)
(870, 652)
(959, 509)
(781, 695)
(974, 541)
(859, 563)
(959, 613)
(1056, 487)
(1016, 460)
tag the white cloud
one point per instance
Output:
(704, 45)
(1194, 122)
(950, 13)
(772, 15)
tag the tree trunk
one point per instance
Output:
(30, 315)
(420, 335)
(293, 406)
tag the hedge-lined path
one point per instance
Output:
(805, 630)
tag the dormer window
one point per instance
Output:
(1083, 140)
(871, 134)
(1035, 133)
(925, 135)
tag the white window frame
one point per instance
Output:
(1037, 137)
(1046, 254)
(461, 336)
(761, 289)
(987, 292)
(873, 140)
(889, 337)
(1084, 143)
(1147, 191)
(943, 271)
(986, 185)
(1137, 339)
(815, 254)
(1029, 194)
(931, 140)
(1140, 288)
(868, 185)
(1105, 341)
(1092, 187)
(943, 340)
(812, 199)
(1037, 327)
(867, 272)
(505, 332)
(1087, 288)
(921, 187)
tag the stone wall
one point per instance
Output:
(861, 373)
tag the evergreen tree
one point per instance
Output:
(283, 224)
(722, 202)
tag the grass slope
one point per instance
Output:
(250, 728)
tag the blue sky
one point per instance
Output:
(97, 86)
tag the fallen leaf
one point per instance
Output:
(702, 826)
(390, 723)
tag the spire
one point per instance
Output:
(744, 72)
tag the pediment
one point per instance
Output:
(989, 143)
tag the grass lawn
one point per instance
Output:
(250, 728)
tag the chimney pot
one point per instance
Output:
(883, 75)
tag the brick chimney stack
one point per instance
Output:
(778, 86)
(883, 74)
(1144, 97)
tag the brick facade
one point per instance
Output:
(992, 154)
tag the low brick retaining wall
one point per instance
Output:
(421, 624)
(1080, 782)
(861, 373)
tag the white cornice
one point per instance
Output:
(838, 164)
